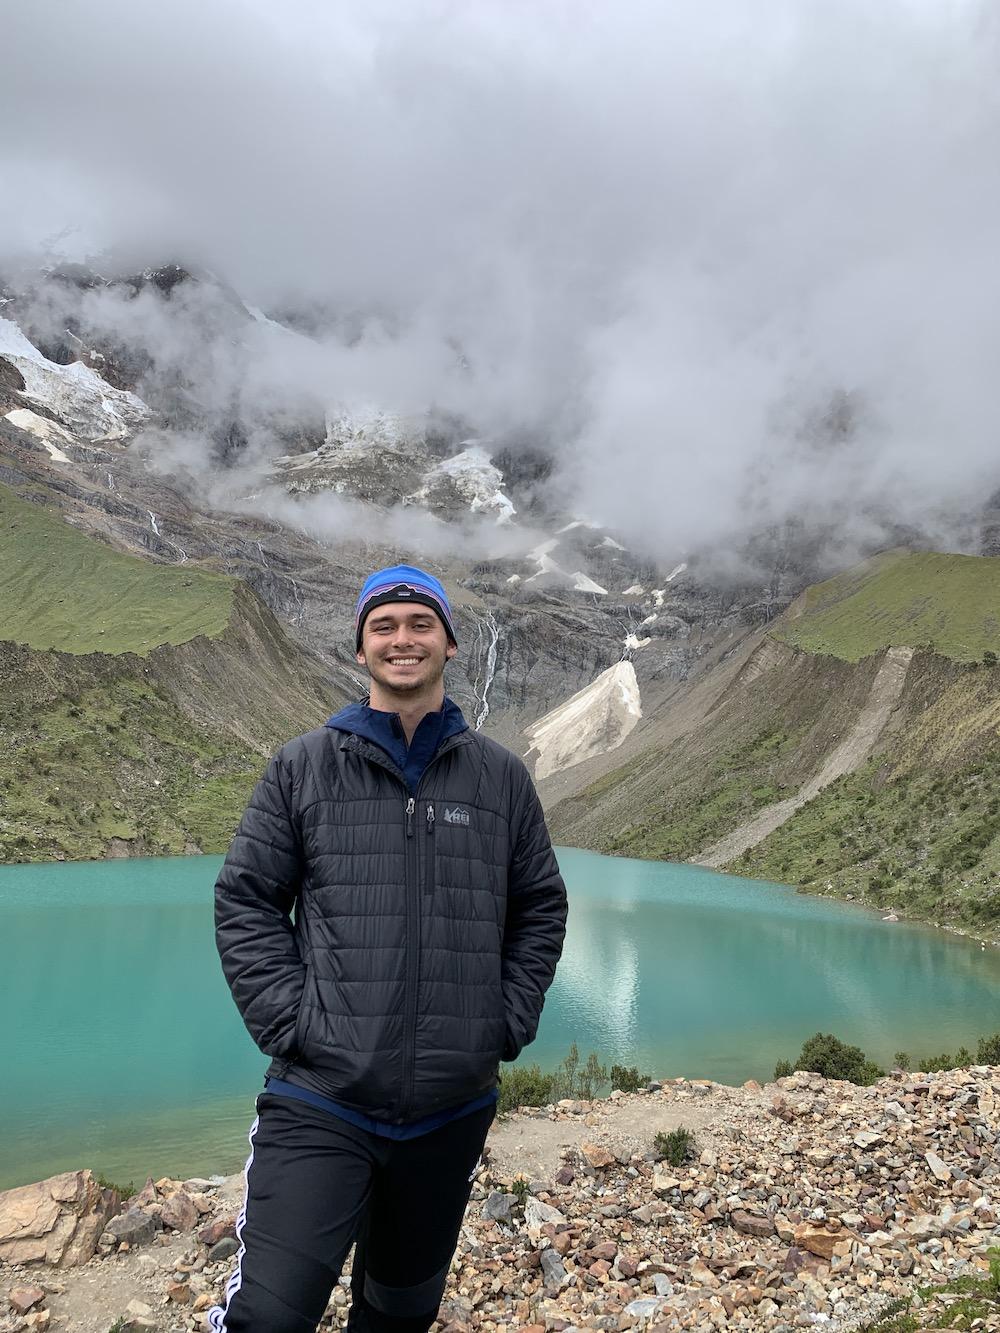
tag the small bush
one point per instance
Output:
(902, 1059)
(676, 1146)
(827, 1055)
(524, 1086)
(520, 1189)
(124, 1191)
(989, 1050)
(627, 1078)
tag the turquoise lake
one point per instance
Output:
(124, 1052)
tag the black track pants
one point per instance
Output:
(315, 1184)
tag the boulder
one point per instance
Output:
(751, 1224)
(596, 1156)
(212, 1232)
(23, 1298)
(179, 1212)
(133, 1227)
(56, 1221)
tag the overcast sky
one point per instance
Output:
(669, 235)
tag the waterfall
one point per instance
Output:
(111, 483)
(300, 602)
(490, 665)
(152, 522)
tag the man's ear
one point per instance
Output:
(359, 657)
(450, 651)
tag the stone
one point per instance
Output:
(56, 1221)
(663, 1181)
(536, 1214)
(553, 1270)
(751, 1224)
(23, 1298)
(212, 1232)
(596, 1156)
(38, 1319)
(179, 1293)
(868, 1139)
(815, 1239)
(179, 1212)
(645, 1307)
(132, 1228)
(496, 1207)
(700, 1272)
(940, 1169)
(223, 1249)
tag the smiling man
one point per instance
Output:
(389, 918)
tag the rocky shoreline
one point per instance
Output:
(805, 1203)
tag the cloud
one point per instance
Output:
(667, 239)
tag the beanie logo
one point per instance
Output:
(456, 816)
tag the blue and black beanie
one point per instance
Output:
(402, 583)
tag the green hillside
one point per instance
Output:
(138, 701)
(948, 602)
(61, 589)
(915, 826)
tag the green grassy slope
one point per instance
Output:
(61, 589)
(950, 602)
(146, 739)
(917, 827)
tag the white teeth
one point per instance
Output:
(404, 661)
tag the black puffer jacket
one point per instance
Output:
(426, 929)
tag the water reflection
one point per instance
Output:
(129, 1054)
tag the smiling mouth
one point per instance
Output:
(404, 661)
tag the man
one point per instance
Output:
(389, 918)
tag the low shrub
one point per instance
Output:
(524, 1085)
(676, 1146)
(827, 1055)
(626, 1078)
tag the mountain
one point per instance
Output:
(186, 519)
(852, 747)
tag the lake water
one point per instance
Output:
(123, 1050)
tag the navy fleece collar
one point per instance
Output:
(386, 731)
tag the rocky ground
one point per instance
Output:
(808, 1203)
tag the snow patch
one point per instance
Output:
(595, 720)
(583, 584)
(632, 642)
(636, 590)
(610, 541)
(546, 565)
(94, 409)
(44, 431)
(477, 480)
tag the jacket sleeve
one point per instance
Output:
(254, 895)
(536, 916)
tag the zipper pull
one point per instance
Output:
(430, 817)
(411, 805)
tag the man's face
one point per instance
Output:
(405, 647)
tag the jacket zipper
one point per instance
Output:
(412, 918)
(412, 961)
(429, 859)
